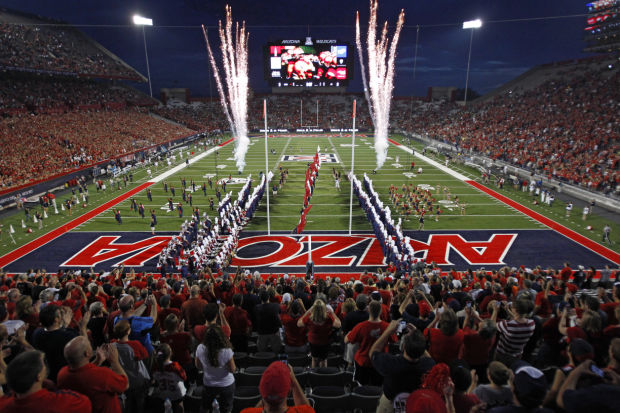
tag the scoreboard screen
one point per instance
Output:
(299, 63)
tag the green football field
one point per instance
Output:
(330, 207)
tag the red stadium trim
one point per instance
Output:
(44, 239)
(569, 233)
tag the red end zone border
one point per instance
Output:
(44, 239)
(569, 233)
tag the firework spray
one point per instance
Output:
(380, 83)
(232, 85)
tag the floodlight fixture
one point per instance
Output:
(142, 21)
(472, 24)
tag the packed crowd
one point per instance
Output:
(567, 128)
(204, 116)
(283, 112)
(510, 340)
(57, 49)
(38, 146)
(39, 94)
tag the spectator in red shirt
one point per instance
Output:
(102, 385)
(478, 340)
(461, 376)
(496, 296)
(589, 328)
(165, 309)
(214, 315)
(613, 329)
(543, 307)
(566, 272)
(193, 309)
(446, 341)
(95, 293)
(365, 334)
(295, 338)
(385, 310)
(180, 341)
(240, 324)
(177, 298)
(320, 322)
(25, 375)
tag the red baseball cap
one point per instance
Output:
(424, 308)
(275, 383)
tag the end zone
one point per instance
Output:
(330, 252)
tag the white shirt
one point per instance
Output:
(215, 376)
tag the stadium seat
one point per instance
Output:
(329, 376)
(245, 396)
(264, 358)
(250, 376)
(298, 360)
(329, 399)
(301, 375)
(365, 398)
(241, 359)
(335, 360)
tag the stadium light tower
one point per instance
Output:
(472, 24)
(143, 21)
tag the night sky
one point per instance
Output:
(501, 50)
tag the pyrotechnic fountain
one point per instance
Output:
(378, 87)
(234, 96)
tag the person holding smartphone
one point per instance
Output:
(514, 333)
(599, 393)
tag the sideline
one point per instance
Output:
(55, 233)
(548, 222)
(52, 235)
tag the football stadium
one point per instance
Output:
(220, 209)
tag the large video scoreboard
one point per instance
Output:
(308, 63)
(602, 31)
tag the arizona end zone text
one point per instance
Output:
(330, 252)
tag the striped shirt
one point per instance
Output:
(514, 336)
